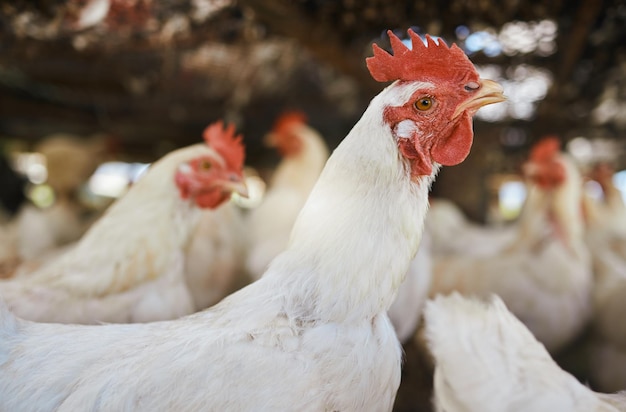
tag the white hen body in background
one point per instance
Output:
(454, 234)
(34, 231)
(269, 225)
(606, 239)
(545, 276)
(486, 360)
(214, 258)
(313, 332)
(129, 267)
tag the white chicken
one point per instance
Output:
(607, 347)
(545, 276)
(34, 231)
(454, 234)
(129, 267)
(313, 332)
(486, 360)
(304, 154)
(214, 257)
(607, 216)
(606, 238)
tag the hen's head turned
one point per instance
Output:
(437, 92)
(284, 135)
(544, 166)
(211, 179)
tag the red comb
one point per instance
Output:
(226, 143)
(434, 60)
(288, 119)
(545, 149)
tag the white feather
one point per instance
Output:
(312, 334)
(486, 360)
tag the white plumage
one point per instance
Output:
(214, 258)
(129, 267)
(406, 311)
(486, 360)
(545, 275)
(270, 224)
(312, 334)
(454, 234)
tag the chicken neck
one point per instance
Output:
(358, 232)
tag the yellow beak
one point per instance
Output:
(238, 187)
(490, 92)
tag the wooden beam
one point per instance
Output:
(578, 37)
(319, 38)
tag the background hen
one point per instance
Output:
(545, 275)
(319, 314)
(304, 153)
(34, 231)
(486, 360)
(129, 267)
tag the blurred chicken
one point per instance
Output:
(129, 267)
(607, 365)
(313, 332)
(606, 238)
(304, 154)
(70, 161)
(454, 234)
(545, 275)
(214, 258)
(606, 217)
(486, 360)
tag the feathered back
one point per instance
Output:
(424, 61)
(486, 360)
(224, 141)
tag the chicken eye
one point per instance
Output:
(472, 86)
(423, 103)
(205, 165)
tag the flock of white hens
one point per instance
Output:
(177, 300)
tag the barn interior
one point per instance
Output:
(136, 79)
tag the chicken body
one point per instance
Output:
(605, 238)
(313, 316)
(129, 267)
(270, 224)
(487, 360)
(545, 276)
(70, 160)
(454, 234)
(214, 258)
(313, 332)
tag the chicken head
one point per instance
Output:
(544, 167)
(283, 137)
(449, 94)
(211, 179)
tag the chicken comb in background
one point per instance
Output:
(282, 135)
(545, 149)
(433, 60)
(225, 142)
(288, 119)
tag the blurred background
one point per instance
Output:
(136, 78)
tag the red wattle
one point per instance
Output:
(420, 164)
(454, 148)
